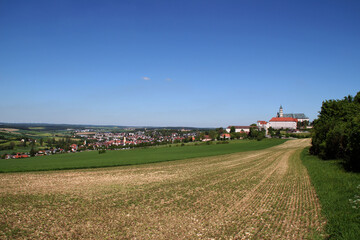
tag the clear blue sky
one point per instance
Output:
(174, 63)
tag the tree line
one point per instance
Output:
(336, 132)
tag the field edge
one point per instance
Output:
(338, 192)
(22, 165)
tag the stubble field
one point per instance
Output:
(264, 194)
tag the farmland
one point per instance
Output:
(130, 157)
(262, 194)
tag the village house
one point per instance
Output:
(262, 125)
(206, 138)
(40, 153)
(74, 147)
(20, 155)
(239, 129)
(225, 136)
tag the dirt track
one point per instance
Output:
(253, 195)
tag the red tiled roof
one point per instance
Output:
(262, 122)
(283, 119)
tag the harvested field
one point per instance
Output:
(8, 129)
(263, 194)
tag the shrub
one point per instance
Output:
(102, 151)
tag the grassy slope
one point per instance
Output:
(337, 190)
(129, 157)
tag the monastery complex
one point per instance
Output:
(283, 120)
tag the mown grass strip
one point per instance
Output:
(339, 194)
(130, 157)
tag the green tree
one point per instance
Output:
(220, 130)
(271, 132)
(259, 135)
(32, 152)
(336, 132)
(243, 135)
(278, 133)
(237, 135)
(253, 133)
(232, 129)
(212, 135)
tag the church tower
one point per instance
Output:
(281, 113)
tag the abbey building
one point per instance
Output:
(283, 120)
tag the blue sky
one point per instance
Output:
(174, 63)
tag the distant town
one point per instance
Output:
(29, 140)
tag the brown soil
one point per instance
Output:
(263, 194)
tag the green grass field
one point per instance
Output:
(93, 159)
(339, 194)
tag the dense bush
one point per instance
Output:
(299, 135)
(256, 134)
(336, 132)
(102, 151)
